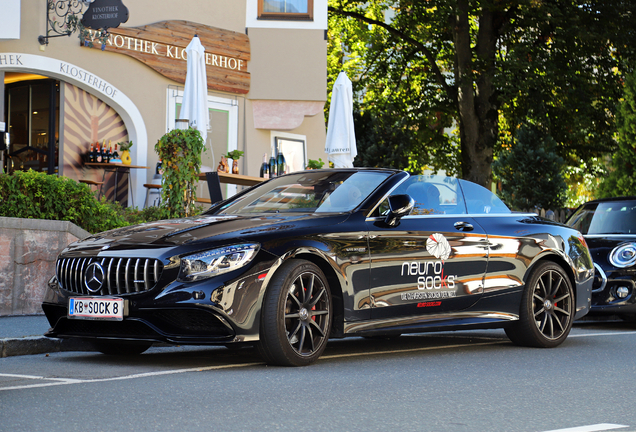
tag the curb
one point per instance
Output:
(31, 345)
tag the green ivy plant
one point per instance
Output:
(180, 150)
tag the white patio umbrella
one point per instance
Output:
(195, 95)
(341, 136)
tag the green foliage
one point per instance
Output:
(125, 146)
(531, 171)
(621, 181)
(315, 164)
(36, 195)
(438, 63)
(389, 141)
(234, 154)
(180, 151)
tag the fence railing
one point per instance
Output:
(557, 215)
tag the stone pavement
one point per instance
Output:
(24, 335)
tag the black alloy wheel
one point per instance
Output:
(547, 308)
(296, 315)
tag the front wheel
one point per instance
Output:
(547, 309)
(296, 315)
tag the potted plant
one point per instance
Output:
(235, 155)
(315, 164)
(125, 152)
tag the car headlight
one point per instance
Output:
(207, 264)
(623, 255)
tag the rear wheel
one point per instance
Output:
(296, 315)
(547, 309)
(122, 348)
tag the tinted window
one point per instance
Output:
(480, 200)
(615, 217)
(433, 194)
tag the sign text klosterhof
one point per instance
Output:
(162, 45)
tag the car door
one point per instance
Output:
(433, 261)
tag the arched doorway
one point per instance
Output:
(62, 71)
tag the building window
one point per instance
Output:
(297, 10)
(294, 149)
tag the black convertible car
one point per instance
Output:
(609, 227)
(322, 254)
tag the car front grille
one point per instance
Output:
(118, 276)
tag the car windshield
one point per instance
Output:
(308, 192)
(611, 217)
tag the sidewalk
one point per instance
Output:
(24, 335)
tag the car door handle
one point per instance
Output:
(463, 226)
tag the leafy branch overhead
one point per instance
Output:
(484, 67)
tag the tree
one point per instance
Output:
(531, 171)
(472, 61)
(620, 180)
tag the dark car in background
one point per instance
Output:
(609, 227)
(319, 254)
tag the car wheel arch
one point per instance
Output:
(555, 259)
(335, 287)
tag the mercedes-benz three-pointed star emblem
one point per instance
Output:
(94, 277)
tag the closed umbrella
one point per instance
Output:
(195, 95)
(341, 136)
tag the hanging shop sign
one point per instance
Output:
(161, 46)
(105, 14)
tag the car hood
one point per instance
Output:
(601, 245)
(175, 232)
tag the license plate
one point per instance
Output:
(96, 308)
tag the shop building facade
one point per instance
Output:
(266, 69)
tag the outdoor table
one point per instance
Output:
(115, 167)
(237, 179)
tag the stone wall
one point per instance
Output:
(28, 250)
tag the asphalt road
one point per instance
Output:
(456, 381)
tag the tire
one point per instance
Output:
(547, 309)
(296, 315)
(121, 348)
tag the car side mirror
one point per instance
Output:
(399, 206)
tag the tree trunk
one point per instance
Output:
(476, 101)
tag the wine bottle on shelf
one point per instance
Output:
(91, 154)
(159, 168)
(272, 167)
(115, 153)
(265, 167)
(281, 165)
(107, 155)
(98, 153)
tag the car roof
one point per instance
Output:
(621, 198)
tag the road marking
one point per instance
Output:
(366, 353)
(591, 428)
(609, 333)
(67, 381)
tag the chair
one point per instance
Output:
(214, 186)
(94, 183)
(153, 189)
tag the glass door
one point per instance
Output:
(222, 133)
(33, 113)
